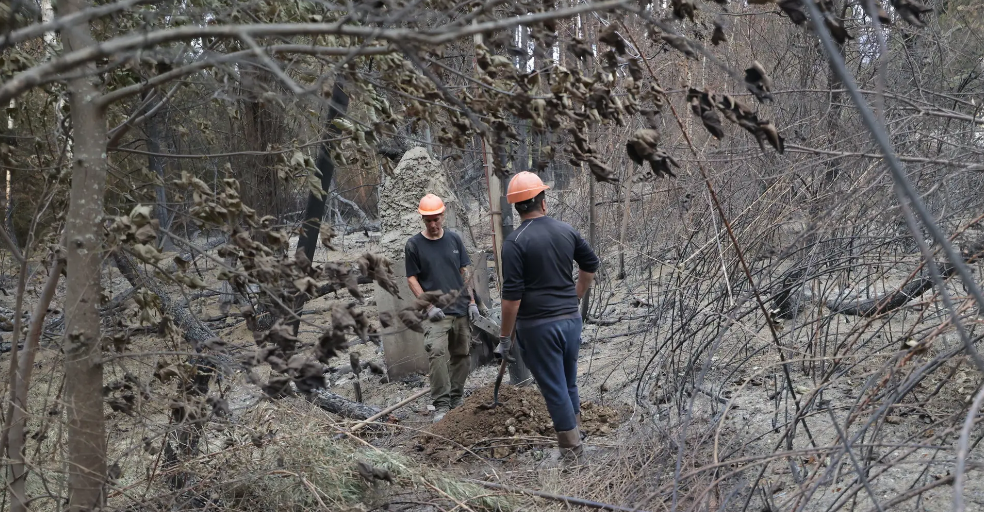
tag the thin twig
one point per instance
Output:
(554, 497)
(963, 450)
(272, 65)
(904, 190)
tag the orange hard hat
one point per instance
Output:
(524, 186)
(430, 205)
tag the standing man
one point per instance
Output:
(437, 261)
(540, 298)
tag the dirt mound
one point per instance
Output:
(520, 422)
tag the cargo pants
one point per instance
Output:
(448, 342)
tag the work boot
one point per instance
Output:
(571, 450)
(580, 429)
(440, 412)
(456, 402)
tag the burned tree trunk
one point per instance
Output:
(315, 211)
(787, 302)
(155, 162)
(326, 167)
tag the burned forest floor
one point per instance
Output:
(670, 422)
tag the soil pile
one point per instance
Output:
(520, 422)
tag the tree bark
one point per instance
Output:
(263, 125)
(195, 332)
(834, 121)
(315, 210)
(152, 129)
(342, 406)
(25, 366)
(83, 233)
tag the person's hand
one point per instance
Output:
(473, 312)
(435, 314)
(502, 349)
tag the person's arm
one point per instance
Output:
(587, 264)
(465, 268)
(584, 280)
(413, 268)
(415, 286)
(513, 287)
(466, 276)
(509, 310)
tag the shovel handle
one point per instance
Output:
(502, 371)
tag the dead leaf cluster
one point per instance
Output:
(703, 103)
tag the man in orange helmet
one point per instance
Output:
(437, 261)
(540, 298)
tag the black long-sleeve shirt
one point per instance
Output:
(537, 267)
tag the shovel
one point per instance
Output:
(498, 384)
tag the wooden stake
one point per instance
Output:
(592, 216)
(626, 190)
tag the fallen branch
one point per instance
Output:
(890, 301)
(118, 301)
(200, 295)
(623, 334)
(555, 497)
(603, 321)
(358, 426)
(369, 227)
(195, 332)
(363, 216)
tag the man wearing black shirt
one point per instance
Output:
(437, 261)
(540, 298)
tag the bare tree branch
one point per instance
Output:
(904, 189)
(44, 73)
(61, 22)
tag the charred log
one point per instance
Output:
(890, 301)
(341, 406)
